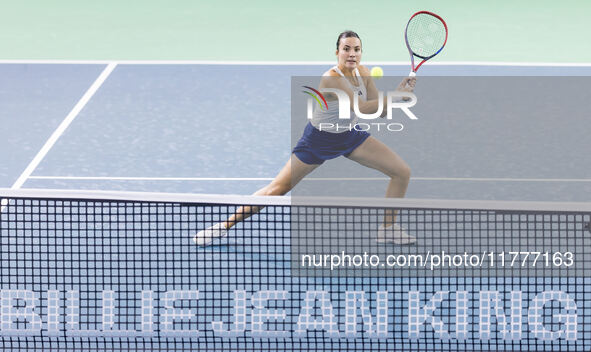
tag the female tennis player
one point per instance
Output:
(316, 146)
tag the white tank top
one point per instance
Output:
(331, 115)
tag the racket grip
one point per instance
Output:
(412, 74)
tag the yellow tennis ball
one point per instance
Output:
(377, 72)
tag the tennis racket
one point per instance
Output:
(425, 36)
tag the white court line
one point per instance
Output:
(289, 63)
(477, 179)
(59, 131)
(63, 126)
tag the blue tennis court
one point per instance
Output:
(225, 129)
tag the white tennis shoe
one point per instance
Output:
(205, 237)
(394, 234)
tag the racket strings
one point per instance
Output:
(425, 35)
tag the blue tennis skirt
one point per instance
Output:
(315, 146)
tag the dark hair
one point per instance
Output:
(347, 34)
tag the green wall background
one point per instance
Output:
(303, 30)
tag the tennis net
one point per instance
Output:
(116, 271)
